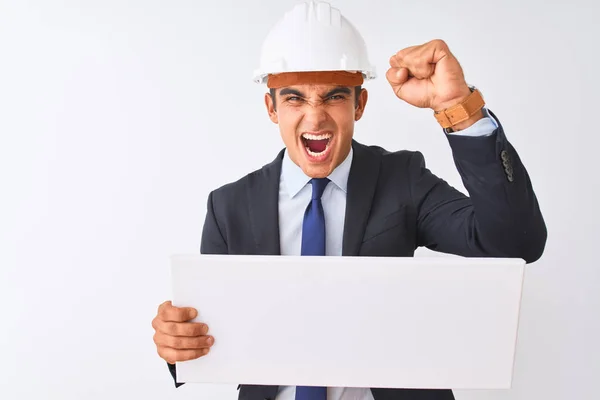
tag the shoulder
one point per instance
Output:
(232, 191)
(392, 160)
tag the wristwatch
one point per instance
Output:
(461, 112)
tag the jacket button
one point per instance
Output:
(509, 174)
(504, 155)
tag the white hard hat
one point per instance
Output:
(313, 36)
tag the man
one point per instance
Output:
(326, 194)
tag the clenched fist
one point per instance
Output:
(177, 339)
(428, 76)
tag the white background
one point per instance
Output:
(118, 117)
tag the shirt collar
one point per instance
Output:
(295, 179)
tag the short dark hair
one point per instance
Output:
(357, 90)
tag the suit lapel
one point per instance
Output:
(257, 392)
(362, 182)
(263, 201)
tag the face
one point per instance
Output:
(316, 124)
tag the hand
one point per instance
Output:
(177, 339)
(428, 76)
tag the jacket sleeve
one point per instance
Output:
(500, 218)
(212, 242)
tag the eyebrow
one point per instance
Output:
(337, 90)
(285, 91)
(340, 89)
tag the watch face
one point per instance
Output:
(473, 88)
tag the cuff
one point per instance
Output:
(484, 127)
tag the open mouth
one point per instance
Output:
(317, 146)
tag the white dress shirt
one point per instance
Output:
(295, 194)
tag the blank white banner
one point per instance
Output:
(353, 321)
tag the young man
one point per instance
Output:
(326, 194)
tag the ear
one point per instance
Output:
(362, 103)
(271, 108)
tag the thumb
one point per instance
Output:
(397, 76)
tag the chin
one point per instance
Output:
(316, 171)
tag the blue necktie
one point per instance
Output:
(313, 244)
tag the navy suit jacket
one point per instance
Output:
(394, 205)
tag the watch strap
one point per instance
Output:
(462, 111)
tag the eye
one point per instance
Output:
(336, 97)
(293, 98)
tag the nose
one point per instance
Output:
(315, 116)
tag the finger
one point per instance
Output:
(414, 92)
(183, 343)
(168, 312)
(394, 60)
(432, 51)
(421, 60)
(397, 76)
(171, 355)
(163, 305)
(437, 50)
(189, 329)
(417, 64)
